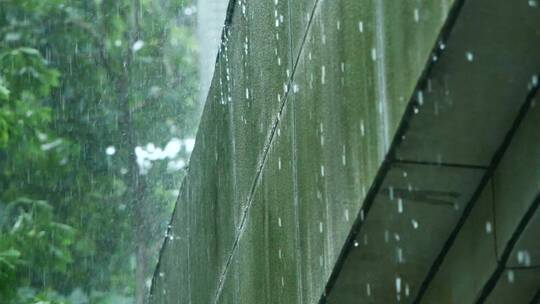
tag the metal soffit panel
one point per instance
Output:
(415, 210)
(476, 90)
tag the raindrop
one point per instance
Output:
(400, 205)
(442, 46)
(407, 290)
(356, 244)
(189, 11)
(534, 81)
(399, 253)
(524, 258)
(361, 27)
(469, 56)
(416, 15)
(533, 3)
(344, 156)
(510, 276)
(414, 223)
(489, 227)
(110, 150)
(368, 290)
(398, 284)
(137, 46)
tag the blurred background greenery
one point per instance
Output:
(99, 101)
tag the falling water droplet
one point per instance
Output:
(110, 150)
(137, 46)
(374, 54)
(489, 227)
(416, 15)
(361, 27)
(442, 46)
(510, 276)
(524, 258)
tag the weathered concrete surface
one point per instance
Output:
(337, 160)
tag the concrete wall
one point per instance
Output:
(302, 127)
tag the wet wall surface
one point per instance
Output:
(363, 151)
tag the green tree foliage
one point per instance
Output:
(96, 98)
